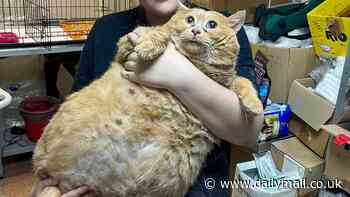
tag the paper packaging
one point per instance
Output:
(300, 164)
(338, 156)
(284, 66)
(310, 107)
(312, 164)
(330, 32)
(245, 172)
(240, 154)
(314, 140)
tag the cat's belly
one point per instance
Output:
(140, 140)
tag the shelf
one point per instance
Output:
(10, 52)
(16, 149)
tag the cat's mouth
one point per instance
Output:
(190, 46)
(193, 46)
(194, 41)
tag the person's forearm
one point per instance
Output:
(219, 109)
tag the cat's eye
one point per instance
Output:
(190, 20)
(211, 25)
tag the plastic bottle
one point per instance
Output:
(276, 117)
(11, 113)
(264, 90)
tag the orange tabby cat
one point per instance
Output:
(126, 140)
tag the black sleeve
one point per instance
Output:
(84, 74)
(245, 55)
(245, 65)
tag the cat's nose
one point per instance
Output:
(196, 31)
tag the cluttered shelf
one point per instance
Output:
(32, 27)
(39, 50)
(28, 30)
(63, 36)
(16, 143)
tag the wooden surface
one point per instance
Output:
(19, 178)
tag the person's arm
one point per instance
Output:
(219, 109)
(215, 105)
(84, 74)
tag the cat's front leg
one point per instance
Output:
(247, 94)
(125, 48)
(152, 42)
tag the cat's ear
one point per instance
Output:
(237, 20)
(181, 6)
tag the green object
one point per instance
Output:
(277, 22)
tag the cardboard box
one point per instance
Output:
(21, 68)
(202, 3)
(300, 164)
(338, 156)
(25, 71)
(314, 140)
(236, 5)
(309, 106)
(284, 66)
(240, 154)
(245, 173)
(248, 5)
(330, 31)
(312, 164)
(64, 82)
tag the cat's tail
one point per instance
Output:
(50, 191)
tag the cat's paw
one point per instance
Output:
(151, 43)
(125, 48)
(252, 105)
(149, 50)
(248, 96)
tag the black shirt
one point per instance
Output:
(100, 47)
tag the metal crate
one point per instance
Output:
(54, 22)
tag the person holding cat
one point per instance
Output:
(216, 106)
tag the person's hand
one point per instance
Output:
(170, 70)
(40, 186)
(83, 191)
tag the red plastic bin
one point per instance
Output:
(36, 112)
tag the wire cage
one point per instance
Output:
(52, 22)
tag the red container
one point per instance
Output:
(36, 112)
(8, 38)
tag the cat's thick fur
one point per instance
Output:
(124, 139)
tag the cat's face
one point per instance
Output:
(208, 37)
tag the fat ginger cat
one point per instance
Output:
(127, 140)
